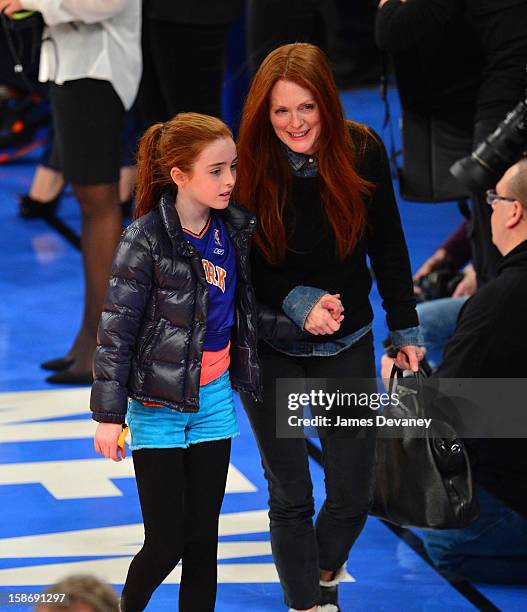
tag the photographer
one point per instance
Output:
(490, 33)
(489, 342)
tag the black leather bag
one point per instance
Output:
(425, 481)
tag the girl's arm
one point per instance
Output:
(127, 295)
(65, 11)
(275, 325)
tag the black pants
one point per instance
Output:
(299, 548)
(183, 69)
(271, 23)
(181, 492)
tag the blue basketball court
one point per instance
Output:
(66, 510)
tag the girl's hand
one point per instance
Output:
(321, 320)
(409, 356)
(105, 441)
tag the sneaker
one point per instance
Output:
(329, 591)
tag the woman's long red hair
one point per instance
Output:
(263, 175)
(175, 143)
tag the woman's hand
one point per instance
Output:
(332, 303)
(8, 7)
(105, 441)
(409, 356)
(325, 316)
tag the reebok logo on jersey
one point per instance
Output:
(215, 275)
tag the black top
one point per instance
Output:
(489, 342)
(200, 12)
(311, 259)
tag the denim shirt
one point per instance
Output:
(300, 300)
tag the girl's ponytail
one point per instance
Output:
(150, 180)
(174, 144)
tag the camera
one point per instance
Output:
(487, 163)
(438, 284)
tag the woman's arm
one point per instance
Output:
(127, 295)
(386, 243)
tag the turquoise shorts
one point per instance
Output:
(162, 427)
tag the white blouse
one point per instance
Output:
(98, 39)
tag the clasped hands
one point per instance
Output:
(326, 316)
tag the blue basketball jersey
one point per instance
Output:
(219, 264)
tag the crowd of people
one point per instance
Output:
(250, 258)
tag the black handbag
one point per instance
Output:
(423, 482)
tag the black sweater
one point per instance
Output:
(311, 259)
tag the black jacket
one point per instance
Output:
(489, 342)
(153, 324)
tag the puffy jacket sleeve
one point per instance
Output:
(128, 292)
(275, 325)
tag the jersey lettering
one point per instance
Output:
(215, 275)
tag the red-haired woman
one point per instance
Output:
(177, 328)
(321, 189)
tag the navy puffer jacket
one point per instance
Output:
(152, 328)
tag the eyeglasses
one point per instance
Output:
(492, 196)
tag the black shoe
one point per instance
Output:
(329, 595)
(33, 209)
(62, 363)
(67, 377)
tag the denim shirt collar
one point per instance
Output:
(301, 165)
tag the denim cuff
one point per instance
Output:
(409, 336)
(299, 301)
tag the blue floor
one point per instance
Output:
(66, 510)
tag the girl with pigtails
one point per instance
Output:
(177, 333)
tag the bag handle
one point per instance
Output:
(417, 395)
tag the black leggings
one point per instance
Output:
(181, 492)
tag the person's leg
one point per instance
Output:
(160, 483)
(46, 185)
(195, 84)
(438, 319)
(493, 549)
(271, 23)
(291, 504)
(150, 101)
(206, 467)
(100, 230)
(90, 158)
(348, 458)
